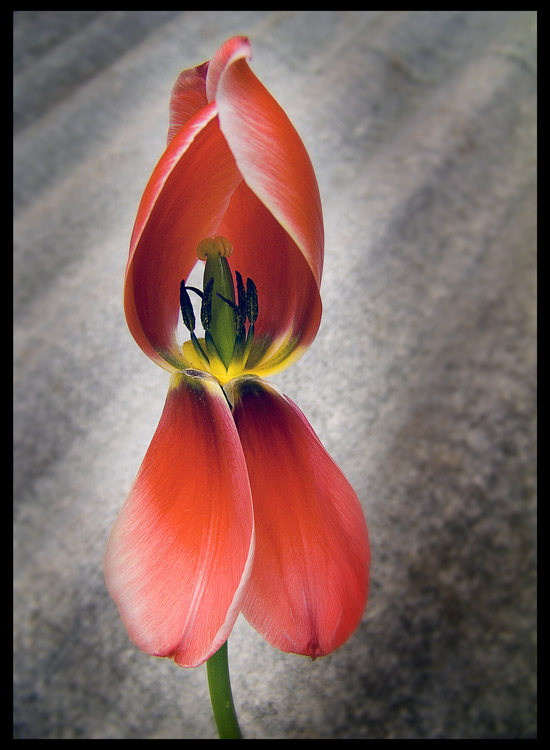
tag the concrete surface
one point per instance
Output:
(421, 383)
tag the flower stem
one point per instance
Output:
(219, 684)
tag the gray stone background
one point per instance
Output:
(421, 383)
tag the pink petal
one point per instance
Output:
(179, 554)
(310, 576)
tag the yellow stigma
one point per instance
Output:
(212, 246)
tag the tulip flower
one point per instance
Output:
(237, 506)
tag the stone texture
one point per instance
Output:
(421, 383)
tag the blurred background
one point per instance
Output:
(421, 126)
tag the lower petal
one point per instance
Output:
(309, 582)
(178, 557)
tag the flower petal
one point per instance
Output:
(309, 582)
(270, 154)
(233, 49)
(188, 97)
(179, 554)
(274, 218)
(183, 203)
(288, 296)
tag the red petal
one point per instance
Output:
(274, 220)
(270, 155)
(288, 296)
(309, 581)
(178, 556)
(188, 97)
(183, 203)
(233, 49)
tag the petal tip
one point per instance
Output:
(233, 49)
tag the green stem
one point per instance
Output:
(219, 685)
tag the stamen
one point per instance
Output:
(206, 306)
(251, 301)
(188, 317)
(230, 302)
(240, 317)
(186, 308)
(199, 350)
(194, 289)
(239, 310)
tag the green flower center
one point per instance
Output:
(223, 316)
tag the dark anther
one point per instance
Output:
(186, 308)
(247, 306)
(206, 305)
(251, 301)
(240, 310)
(241, 293)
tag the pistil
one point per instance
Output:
(216, 250)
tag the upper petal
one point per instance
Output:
(179, 553)
(236, 48)
(270, 154)
(234, 166)
(183, 203)
(196, 87)
(309, 582)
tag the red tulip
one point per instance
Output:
(237, 506)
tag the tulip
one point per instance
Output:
(237, 506)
